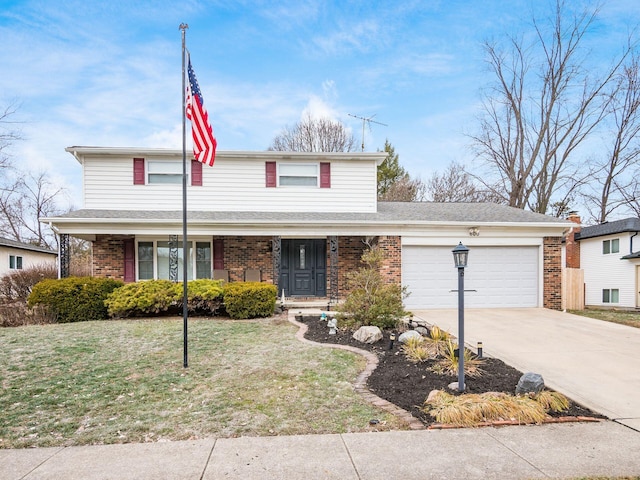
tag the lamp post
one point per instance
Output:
(460, 257)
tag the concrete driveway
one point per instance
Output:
(595, 363)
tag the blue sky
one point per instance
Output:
(108, 73)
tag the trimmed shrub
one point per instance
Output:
(371, 301)
(74, 299)
(163, 297)
(204, 296)
(249, 299)
(148, 297)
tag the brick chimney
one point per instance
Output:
(573, 247)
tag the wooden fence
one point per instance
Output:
(572, 289)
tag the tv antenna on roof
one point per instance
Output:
(368, 121)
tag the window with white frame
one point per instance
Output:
(297, 175)
(611, 246)
(15, 262)
(164, 171)
(610, 295)
(154, 262)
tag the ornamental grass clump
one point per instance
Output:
(470, 410)
(448, 364)
(417, 350)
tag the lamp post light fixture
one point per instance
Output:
(460, 257)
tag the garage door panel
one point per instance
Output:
(500, 276)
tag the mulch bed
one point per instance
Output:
(408, 384)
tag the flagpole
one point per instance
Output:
(185, 310)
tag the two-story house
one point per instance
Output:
(300, 221)
(609, 255)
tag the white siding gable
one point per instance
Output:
(608, 271)
(236, 182)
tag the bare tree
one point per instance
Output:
(615, 176)
(315, 135)
(405, 189)
(8, 134)
(545, 103)
(457, 185)
(21, 205)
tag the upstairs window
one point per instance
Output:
(291, 175)
(15, 262)
(611, 246)
(164, 172)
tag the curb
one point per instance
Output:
(504, 423)
(360, 384)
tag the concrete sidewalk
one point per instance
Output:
(593, 362)
(527, 452)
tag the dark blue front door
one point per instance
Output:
(303, 269)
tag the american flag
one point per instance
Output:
(204, 143)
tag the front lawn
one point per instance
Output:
(624, 317)
(123, 381)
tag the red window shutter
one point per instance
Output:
(218, 254)
(138, 171)
(196, 173)
(271, 175)
(325, 175)
(129, 260)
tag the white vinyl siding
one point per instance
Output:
(234, 184)
(506, 276)
(27, 258)
(608, 271)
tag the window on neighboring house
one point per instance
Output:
(611, 246)
(163, 172)
(15, 262)
(154, 260)
(610, 295)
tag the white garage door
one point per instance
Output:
(500, 276)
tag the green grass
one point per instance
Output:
(123, 381)
(624, 317)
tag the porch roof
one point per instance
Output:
(389, 216)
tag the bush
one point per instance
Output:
(249, 299)
(74, 299)
(17, 314)
(153, 297)
(371, 301)
(16, 286)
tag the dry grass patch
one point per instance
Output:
(624, 317)
(123, 381)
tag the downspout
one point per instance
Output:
(631, 242)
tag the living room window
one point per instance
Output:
(611, 246)
(154, 260)
(610, 295)
(15, 262)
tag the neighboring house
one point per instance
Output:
(18, 256)
(609, 255)
(300, 221)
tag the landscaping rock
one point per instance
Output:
(407, 335)
(424, 331)
(530, 383)
(368, 334)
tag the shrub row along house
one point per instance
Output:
(301, 222)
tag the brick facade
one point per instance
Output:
(243, 253)
(552, 273)
(108, 256)
(571, 246)
(392, 264)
